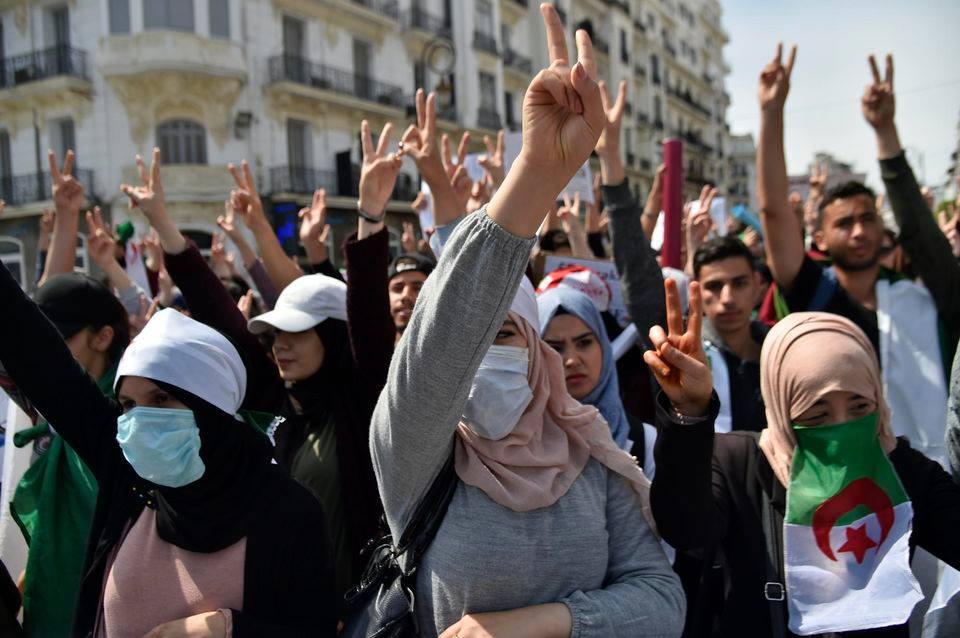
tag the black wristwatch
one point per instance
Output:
(368, 217)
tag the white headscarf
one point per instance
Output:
(525, 304)
(175, 349)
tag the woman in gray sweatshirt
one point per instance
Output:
(586, 562)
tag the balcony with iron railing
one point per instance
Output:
(17, 190)
(387, 8)
(483, 41)
(645, 164)
(488, 118)
(41, 65)
(621, 4)
(419, 18)
(300, 180)
(289, 68)
(686, 97)
(517, 61)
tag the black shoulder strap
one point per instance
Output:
(430, 512)
(773, 590)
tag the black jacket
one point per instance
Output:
(287, 581)
(709, 490)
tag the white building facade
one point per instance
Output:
(285, 83)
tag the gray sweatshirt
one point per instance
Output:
(592, 550)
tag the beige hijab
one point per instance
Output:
(534, 465)
(804, 357)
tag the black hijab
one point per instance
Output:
(216, 510)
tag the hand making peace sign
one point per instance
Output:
(678, 361)
(775, 80)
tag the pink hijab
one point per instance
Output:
(805, 356)
(534, 465)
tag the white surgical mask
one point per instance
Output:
(500, 392)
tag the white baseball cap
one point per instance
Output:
(305, 303)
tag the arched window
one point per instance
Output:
(182, 142)
(11, 252)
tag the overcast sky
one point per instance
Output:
(834, 38)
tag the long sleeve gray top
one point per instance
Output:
(592, 550)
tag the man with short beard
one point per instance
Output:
(406, 277)
(914, 328)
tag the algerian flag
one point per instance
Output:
(846, 533)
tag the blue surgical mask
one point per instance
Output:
(500, 392)
(162, 445)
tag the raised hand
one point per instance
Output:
(462, 187)
(775, 80)
(878, 103)
(221, 262)
(480, 194)
(594, 217)
(563, 114)
(569, 215)
(139, 320)
(314, 218)
(245, 304)
(420, 140)
(677, 360)
(408, 240)
(101, 244)
(45, 227)
(378, 172)
(818, 180)
(150, 246)
(450, 165)
(492, 160)
(609, 142)
(67, 191)
(246, 199)
(314, 229)
(148, 197)
(654, 203)
(699, 221)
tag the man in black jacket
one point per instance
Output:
(728, 277)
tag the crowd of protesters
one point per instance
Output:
(447, 444)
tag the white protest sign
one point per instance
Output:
(718, 213)
(426, 212)
(472, 163)
(607, 271)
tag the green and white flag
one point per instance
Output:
(846, 533)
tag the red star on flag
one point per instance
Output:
(857, 542)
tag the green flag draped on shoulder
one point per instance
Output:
(53, 506)
(846, 533)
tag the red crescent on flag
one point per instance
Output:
(863, 491)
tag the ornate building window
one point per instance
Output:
(182, 142)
